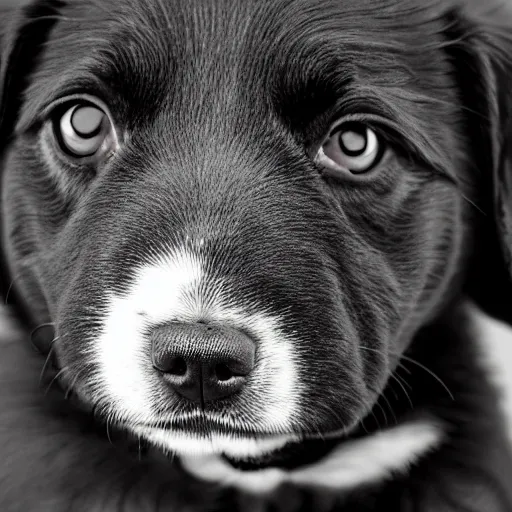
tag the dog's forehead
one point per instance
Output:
(156, 49)
(203, 25)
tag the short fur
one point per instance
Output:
(222, 106)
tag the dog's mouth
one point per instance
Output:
(242, 449)
(204, 434)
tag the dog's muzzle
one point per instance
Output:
(202, 363)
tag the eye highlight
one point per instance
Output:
(84, 130)
(351, 147)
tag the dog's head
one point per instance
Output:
(236, 215)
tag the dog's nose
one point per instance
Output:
(202, 363)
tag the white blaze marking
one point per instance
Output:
(122, 350)
(177, 289)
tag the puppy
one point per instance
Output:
(252, 230)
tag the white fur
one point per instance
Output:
(495, 339)
(178, 288)
(352, 464)
(122, 352)
(199, 446)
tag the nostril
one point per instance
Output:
(223, 372)
(201, 362)
(177, 366)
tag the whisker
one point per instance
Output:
(397, 379)
(416, 363)
(59, 373)
(6, 301)
(473, 204)
(403, 379)
(376, 419)
(390, 408)
(108, 431)
(392, 389)
(382, 410)
(430, 372)
(46, 365)
(364, 426)
(402, 367)
(72, 384)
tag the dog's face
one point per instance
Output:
(236, 214)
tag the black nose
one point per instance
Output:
(202, 362)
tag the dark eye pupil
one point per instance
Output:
(353, 141)
(86, 121)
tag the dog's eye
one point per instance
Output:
(351, 146)
(83, 130)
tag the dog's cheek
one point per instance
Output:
(405, 236)
(421, 240)
(438, 257)
(32, 214)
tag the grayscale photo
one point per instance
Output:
(256, 256)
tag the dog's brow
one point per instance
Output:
(40, 101)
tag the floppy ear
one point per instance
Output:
(23, 32)
(480, 46)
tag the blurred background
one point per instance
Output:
(10, 3)
(4, 3)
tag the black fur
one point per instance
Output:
(225, 104)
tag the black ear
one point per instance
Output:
(480, 47)
(23, 32)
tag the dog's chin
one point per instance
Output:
(240, 449)
(244, 453)
(234, 446)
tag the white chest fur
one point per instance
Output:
(352, 464)
(496, 344)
